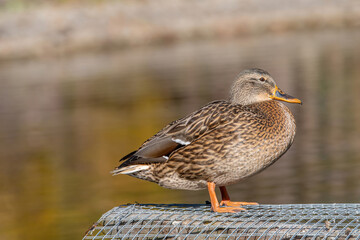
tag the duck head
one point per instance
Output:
(256, 85)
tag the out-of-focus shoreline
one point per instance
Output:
(53, 30)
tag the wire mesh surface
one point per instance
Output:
(307, 221)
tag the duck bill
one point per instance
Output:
(281, 96)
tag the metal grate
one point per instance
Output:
(307, 221)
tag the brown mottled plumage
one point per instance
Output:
(221, 143)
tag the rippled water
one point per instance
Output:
(65, 122)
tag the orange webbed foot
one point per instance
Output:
(236, 204)
(228, 209)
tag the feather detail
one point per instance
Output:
(130, 169)
(179, 141)
(175, 136)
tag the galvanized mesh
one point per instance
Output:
(307, 221)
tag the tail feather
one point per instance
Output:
(129, 169)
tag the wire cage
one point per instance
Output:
(305, 221)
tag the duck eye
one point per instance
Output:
(262, 79)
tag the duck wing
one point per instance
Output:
(177, 134)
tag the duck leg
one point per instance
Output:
(226, 199)
(215, 204)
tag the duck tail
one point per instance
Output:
(129, 169)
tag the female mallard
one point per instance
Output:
(221, 143)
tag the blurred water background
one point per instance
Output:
(66, 119)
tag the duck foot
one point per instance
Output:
(236, 204)
(215, 206)
(227, 209)
(226, 199)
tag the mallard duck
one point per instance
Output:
(221, 143)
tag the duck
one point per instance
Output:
(222, 143)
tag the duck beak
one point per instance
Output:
(281, 96)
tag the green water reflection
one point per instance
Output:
(64, 123)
